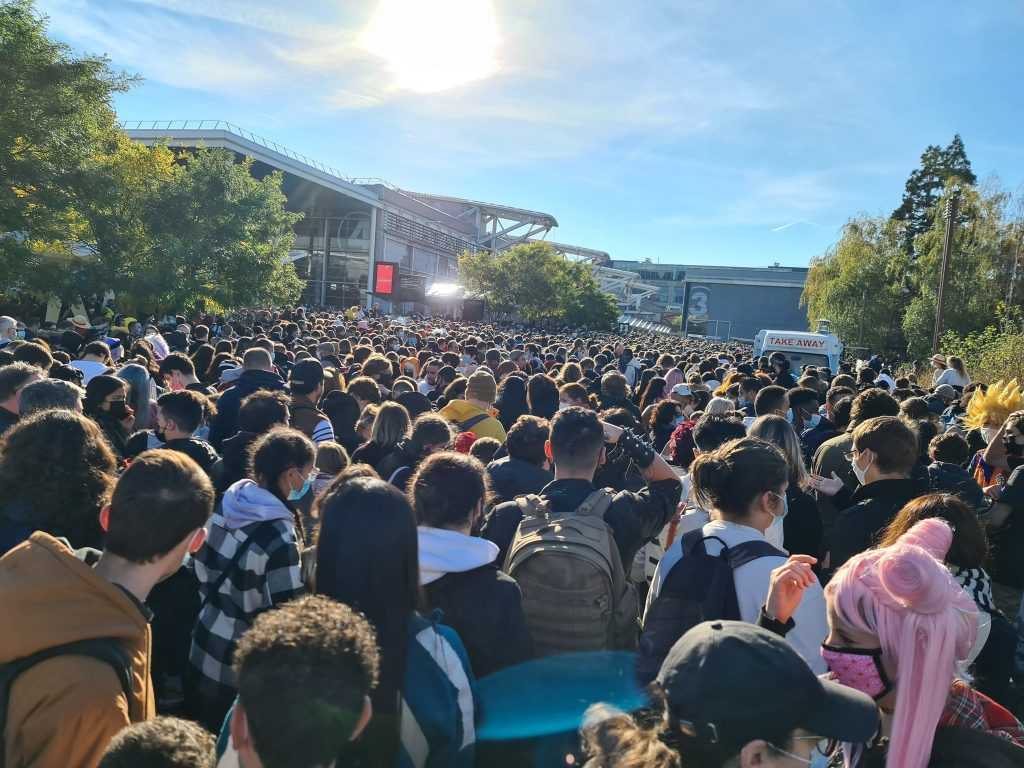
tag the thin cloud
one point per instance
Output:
(784, 227)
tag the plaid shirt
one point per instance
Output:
(268, 574)
(969, 708)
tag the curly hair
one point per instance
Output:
(303, 671)
(56, 473)
(166, 742)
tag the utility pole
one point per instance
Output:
(949, 214)
(1016, 266)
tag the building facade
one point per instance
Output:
(725, 302)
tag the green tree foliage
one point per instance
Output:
(536, 283)
(985, 245)
(857, 284)
(882, 295)
(996, 352)
(85, 209)
(925, 186)
(57, 118)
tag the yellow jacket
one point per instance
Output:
(459, 412)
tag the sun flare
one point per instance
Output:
(434, 45)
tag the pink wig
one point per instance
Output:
(924, 622)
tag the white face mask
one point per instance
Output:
(563, 406)
(789, 416)
(775, 532)
(989, 433)
(858, 471)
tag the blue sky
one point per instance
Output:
(709, 132)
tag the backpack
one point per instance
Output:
(575, 593)
(700, 587)
(105, 649)
(472, 421)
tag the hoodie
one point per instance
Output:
(64, 711)
(225, 424)
(481, 603)
(266, 574)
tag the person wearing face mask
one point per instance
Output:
(250, 562)
(987, 413)
(802, 531)
(662, 422)
(106, 403)
(899, 623)
(743, 486)
(64, 709)
(883, 456)
(803, 409)
(732, 695)
(9, 331)
(178, 415)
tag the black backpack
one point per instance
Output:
(105, 649)
(700, 587)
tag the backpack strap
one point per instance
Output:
(749, 551)
(472, 421)
(105, 649)
(531, 505)
(596, 504)
(395, 474)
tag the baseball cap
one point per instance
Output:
(732, 682)
(306, 376)
(682, 390)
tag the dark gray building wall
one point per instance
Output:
(749, 308)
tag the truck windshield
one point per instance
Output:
(800, 360)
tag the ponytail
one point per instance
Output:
(616, 740)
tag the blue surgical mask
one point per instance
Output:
(20, 333)
(296, 495)
(812, 422)
(789, 415)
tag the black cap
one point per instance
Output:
(732, 682)
(306, 376)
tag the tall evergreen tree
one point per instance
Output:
(926, 184)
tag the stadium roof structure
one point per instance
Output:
(480, 225)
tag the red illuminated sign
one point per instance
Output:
(384, 279)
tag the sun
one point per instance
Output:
(434, 45)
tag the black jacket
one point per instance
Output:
(633, 517)
(812, 439)
(234, 459)
(484, 606)
(516, 477)
(802, 529)
(225, 424)
(7, 420)
(874, 506)
(401, 458)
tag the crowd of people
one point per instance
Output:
(313, 538)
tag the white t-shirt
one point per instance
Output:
(951, 377)
(752, 582)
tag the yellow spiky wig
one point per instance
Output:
(991, 409)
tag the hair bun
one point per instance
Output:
(914, 579)
(933, 535)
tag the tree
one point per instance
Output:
(56, 117)
(858, 284)
(219, 234)
(980, 269)
(536, 283)
(925, 186)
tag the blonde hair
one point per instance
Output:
(391, 425)
(993, 407)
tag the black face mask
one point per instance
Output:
(119, 410)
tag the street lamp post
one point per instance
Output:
(949, 214)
